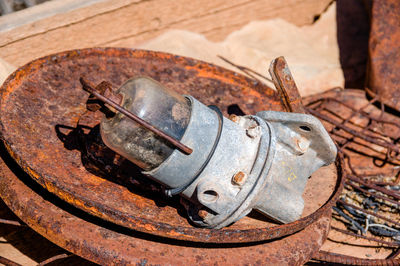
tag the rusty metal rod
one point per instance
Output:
(373, 194)
(375, 187)
(355, 133)
(246, 70)
(395, 254)
(54, 258)
(395, 183)
(366, 114)
(359, 111)
(286, 86)
(349, 260)
(135, 118)
(8, 262)
(375, 139)
(354, 111)
(16, 223)
(369, 127)
(343, 140)
(350, 165)
(390, 244)
(361, 134)
(368, 212)
(381, 183)
(344, 120)
(362, 112)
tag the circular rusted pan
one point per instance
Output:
(42, 102)
(109, 244)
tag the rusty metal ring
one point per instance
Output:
(109, 244)
(75, 60)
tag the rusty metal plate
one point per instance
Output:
(384, 57)
(109, 244)
(42, 102)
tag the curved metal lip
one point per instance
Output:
(108, 244)
(163, 229)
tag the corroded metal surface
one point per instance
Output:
(367, 136)
(42, 104)
(352, 113)
(348, 260)
(108, 244)
(286, 86)
(384, 56)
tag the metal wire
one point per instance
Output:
(374, 195)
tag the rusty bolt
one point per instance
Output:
(239, 178)
(234, 118)
(203, 214)
(302, 144)
(105, 89)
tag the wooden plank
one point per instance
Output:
(217, 25)
(38, 12)
(130, 22)
(57, 21)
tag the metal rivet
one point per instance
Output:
(203, 214)
(239, 178)
(302, 144)
(234, 118)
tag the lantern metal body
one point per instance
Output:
(259, 162)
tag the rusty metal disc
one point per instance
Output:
(42, 104)
(109, 244)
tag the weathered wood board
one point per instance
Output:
(121, 23)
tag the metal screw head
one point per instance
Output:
(203, 214)
(239, 178)
(302, 144)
